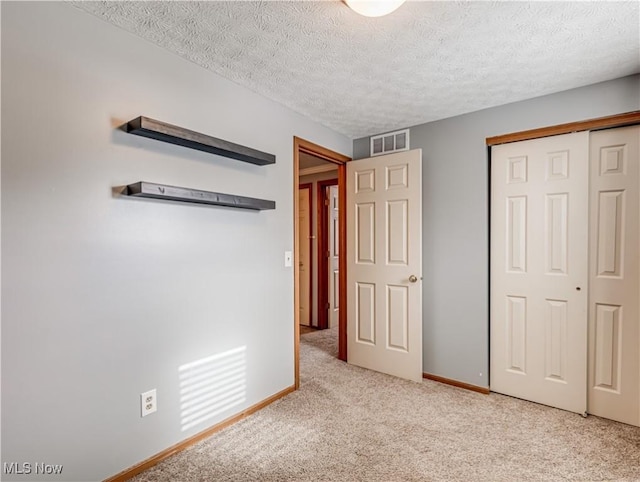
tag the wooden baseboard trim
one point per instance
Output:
(179, 447)
(456, 383)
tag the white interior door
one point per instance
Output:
(384, 291)
(614, 296)
(304, 259)
(334, 253)
(539, 291)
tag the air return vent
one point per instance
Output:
(391, 142)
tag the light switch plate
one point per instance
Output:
(287, 259)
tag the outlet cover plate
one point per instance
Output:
(148, 402)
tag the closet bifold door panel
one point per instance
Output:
(539, 270)
(614, 291)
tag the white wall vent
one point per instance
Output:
(391, 142)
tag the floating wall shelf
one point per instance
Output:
(173, 193)
(161, 131)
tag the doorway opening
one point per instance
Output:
(327, 166)
(305, 249)
(328, 259)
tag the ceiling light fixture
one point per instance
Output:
(373, 8)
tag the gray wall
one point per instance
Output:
(455, 220)
(105, 297)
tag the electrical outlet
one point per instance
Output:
(148, 402)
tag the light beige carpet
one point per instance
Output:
(350, 424)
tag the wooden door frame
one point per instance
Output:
(303, 146)
(309, 186)
(323, 247)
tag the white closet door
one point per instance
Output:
(614, 296)
(539, 216)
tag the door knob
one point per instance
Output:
(413, 278)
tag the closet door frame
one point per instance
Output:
(608, 122)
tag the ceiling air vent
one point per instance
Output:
(391, 142)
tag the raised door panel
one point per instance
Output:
(366, 313)
(557, 234)
(610, 225)
(517, 234)
(397, 318)
(517, 334)
(365, 233)
(607, 348)
(397, 232)
(556, 345)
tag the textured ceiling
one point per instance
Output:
(426, 61)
